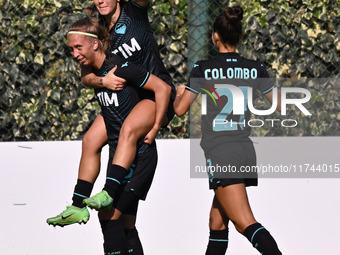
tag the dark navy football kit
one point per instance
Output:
(228, 78)
(116, 106)
(133, 40)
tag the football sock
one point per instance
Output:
(82, 190)
(114, 179)
(114, 237)
(133, 242)
(218, 242)
(261, 239)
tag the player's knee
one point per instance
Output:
(216, 223)
(240, 226)
(111, 214)
(90, 145)
(128, 221)
(102, 215)
(128, 133)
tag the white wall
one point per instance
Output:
(37, 181)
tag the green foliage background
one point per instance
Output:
(297, 39)
(41, 97)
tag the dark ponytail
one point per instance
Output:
(229, 26)
(234, 14)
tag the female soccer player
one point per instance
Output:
(87, 40)
(225, 133)
(130, 30)
(128, 18)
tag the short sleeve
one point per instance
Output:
(264, 83)
(195, 75)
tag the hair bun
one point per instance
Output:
(234, 14)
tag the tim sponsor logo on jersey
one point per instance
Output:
(127, 50)
(107, 99)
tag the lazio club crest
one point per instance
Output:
(120, 28)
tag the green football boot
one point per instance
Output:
(71, 215)
(99, 201)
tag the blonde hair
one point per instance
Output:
(92, 28)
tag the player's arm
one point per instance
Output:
(162, 93)
(186, 95)
(267, 82)
(184, 98)
(110, 81)
(270, 95)
(141, 2)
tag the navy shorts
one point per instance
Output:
(232, 163)
(141, 173)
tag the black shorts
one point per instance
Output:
(232, 163)
(141, 174)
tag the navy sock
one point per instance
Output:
(114, 237)
(218, 242)
(261, 239)
(114, 179)
(82, 190)
(133, 242)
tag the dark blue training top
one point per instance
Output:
(134, 40)
(116, 105)
(225, 80)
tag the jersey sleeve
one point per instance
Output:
(265, 84)
(133, 74)
(194, 78)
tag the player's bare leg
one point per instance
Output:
(137, 124)
(218, 220)
(92, 144)
(135, 127)
(234, 202)
(89, 168)
(218, 224)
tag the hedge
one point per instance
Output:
(42, 98)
